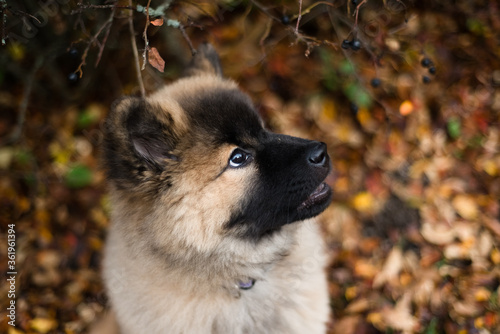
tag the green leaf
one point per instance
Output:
(358, 95)
(330, 78)
(454, 127)
(23, 157)
(432, 328)
(78, 176)
(86, 118)
(346, 68)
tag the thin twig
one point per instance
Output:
(106, 35)
(356, 12)
(136, 53)
(20, 13)
(309, 41)
(145, 37)
(298, 18)
(93, 40)
(188, 40)
(82, 7)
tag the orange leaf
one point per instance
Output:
(157, 22)
(156, 60)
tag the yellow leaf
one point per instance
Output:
(45, 234)
(328, 111)
(16, 51)
(363, 202)
(466, 206)
(12, 330)
(490, 167)
(479, 322)
(495, 256)
(364, 116)
(43, 325)
(482, 294)
(351, 293)
(24, 204)
(375, 318)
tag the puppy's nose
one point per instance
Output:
(318, 155)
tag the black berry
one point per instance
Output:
(346, 44)
(432, 70)
(355, 2)
(73, 77)
(356, 45)
(285, 19)
(426, 62)
(426, 79)
(375, 82)
(73, 52)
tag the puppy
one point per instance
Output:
(211, 228)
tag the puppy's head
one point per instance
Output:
(195, 157)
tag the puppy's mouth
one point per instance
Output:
(318, 197)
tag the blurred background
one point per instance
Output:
(405, 93)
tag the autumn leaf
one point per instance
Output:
(43, 325)
(157, 22)
(466, 206)
(156, 60)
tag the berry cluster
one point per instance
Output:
(427, 63)
(354, 44)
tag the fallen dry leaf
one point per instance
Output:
(155, 59)
(400, 317)
(466, 206)
(391, 269)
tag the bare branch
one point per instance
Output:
(94, 40)
(106, 35)
(82, 7)
(298, 18)
(145, 37)
(356, 12)
(136, 53)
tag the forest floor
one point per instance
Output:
(408, 104)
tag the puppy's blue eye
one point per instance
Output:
(239, 158)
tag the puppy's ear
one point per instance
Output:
(205, 61)
(151, 139)
(135, 140)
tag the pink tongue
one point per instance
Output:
(310, 200)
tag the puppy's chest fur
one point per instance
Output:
(288, 296)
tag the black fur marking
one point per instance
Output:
(224, 116)
(286, 180)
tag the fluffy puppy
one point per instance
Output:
(211, 228)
